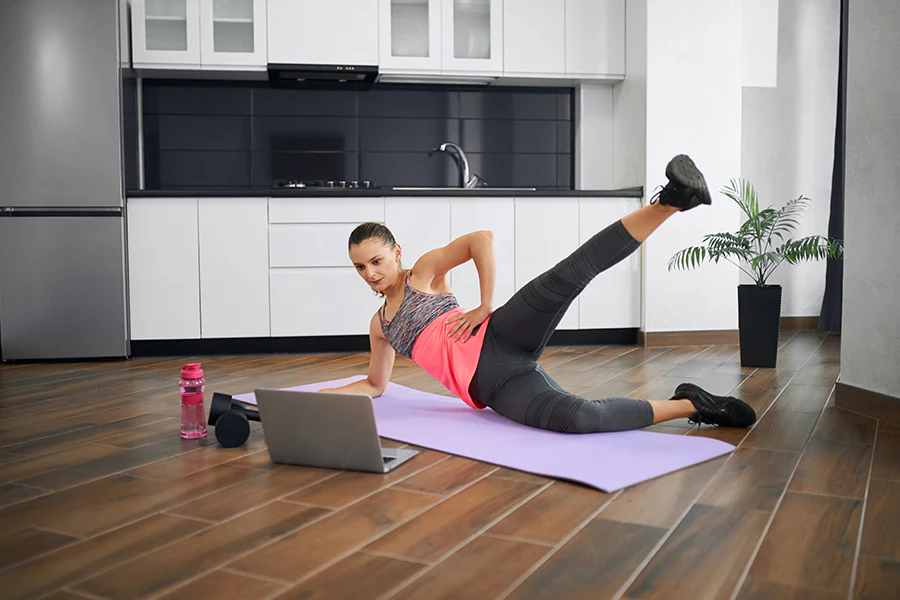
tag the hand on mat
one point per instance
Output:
(466, 322)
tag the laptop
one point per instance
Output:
(332, 431)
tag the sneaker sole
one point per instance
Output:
(685, 173)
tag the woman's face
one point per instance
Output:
(376, 263)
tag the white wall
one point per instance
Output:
(694, 67)
(788, 135)
(870, 331)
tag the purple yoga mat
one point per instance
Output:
(606, 461)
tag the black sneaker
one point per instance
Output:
(726, 411)
(687, 186)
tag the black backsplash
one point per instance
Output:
(250, 134)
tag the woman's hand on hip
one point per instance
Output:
(465, 322)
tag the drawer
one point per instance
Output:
(320, 302)
(326, 210)
(309, 245)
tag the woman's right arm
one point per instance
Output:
(381, 364)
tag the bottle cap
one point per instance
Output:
(191, 371)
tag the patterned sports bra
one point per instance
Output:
(416, 312)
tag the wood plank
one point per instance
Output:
(595, 563)
(483, 568)
(24, 545)
(64, 595)
(752, 479)
(73, 511)
(803, 398)
(833, 468)
(295, 556)
(810, 542)
(47, 428)
(159, 432)
(166, 567)
(877, 578)
(349, 486)
(881, 529)
(841, 425)
(262, 489)
(553, 514)
(115, 462)
(446, 477)
(80, 436)
(434, 533)
(660, 502)
(209, 454)
(757, 589)
(360, 575)
(507, 473)
(886, 462)
(224, 585)
(23, 468)
(781, 430)
(660, 388)
(14, 493)
(698, 545)
(72, 563)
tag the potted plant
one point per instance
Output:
(758, 248)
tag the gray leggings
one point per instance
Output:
(509, 379)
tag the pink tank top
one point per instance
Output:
(420, 330)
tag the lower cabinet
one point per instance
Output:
(234, 267)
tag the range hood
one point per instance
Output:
(328, 73)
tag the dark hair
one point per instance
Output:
(372, 230)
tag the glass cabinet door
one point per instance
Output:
(472, 36)
(233, 33)
(166, 32)
(410, 36)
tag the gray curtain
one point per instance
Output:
(830, 316)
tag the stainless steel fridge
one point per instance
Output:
(62, 223)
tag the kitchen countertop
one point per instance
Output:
(634, 192)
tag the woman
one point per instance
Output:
(489, 358)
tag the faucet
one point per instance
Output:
(468, 180)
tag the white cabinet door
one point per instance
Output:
(233, 34)
(472, 36)
(595, 39)
(165, 33)
(418, 225)
(534, 38)
(497, 215)
(326, 301)
(234, 267)
(410, 36)
(323, 32)
(613, 299)
(546, 232)
(163, 268)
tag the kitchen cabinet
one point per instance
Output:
(163, 268)
(613, 299)
(595, 39)
(165, 34)
(233, 34)
(534, 38)
(418, 225)
(498, 216)
(199, 34)
(437, 37)
(546, 232)
(323, 32)
(234, 267)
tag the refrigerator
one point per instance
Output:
(62, 211)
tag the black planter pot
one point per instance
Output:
(759, 322)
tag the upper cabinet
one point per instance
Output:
(436, 37)
(595, 39)
(165, 33)
(572, 39)
(320, 32)
(199, 34)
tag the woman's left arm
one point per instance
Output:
(477, 246)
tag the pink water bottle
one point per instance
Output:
(192, 386)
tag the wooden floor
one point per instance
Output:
(101, 499)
